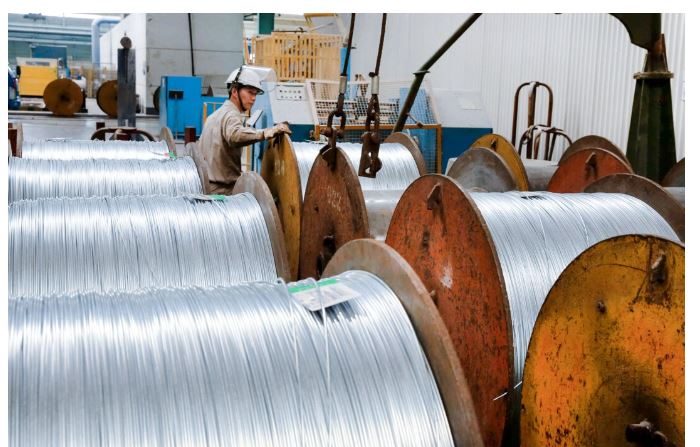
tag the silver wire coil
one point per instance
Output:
(228, 366)
(538, 234)
(399, 167)
(59, 246)
(35, 178)
(66, 149)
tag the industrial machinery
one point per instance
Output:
(35, 74)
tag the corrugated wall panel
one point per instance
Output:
(587, 59)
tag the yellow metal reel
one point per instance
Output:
(608, 347)
(281, 173)
(506, 150)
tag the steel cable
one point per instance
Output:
(66, 149)
(59, 246)
(537, 235)
(237, 365)
(34, 178)
(399, 167)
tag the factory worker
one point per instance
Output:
(225, 133)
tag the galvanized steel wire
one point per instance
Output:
(226, 366)
(34, 178)
(60, 246)
(399, 167)
(66, 149)
(537, 235)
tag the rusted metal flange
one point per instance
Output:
(482, 168)
(167, 136)
(506, 150)
(593, 141)
(384, 262)
(281, 173)
(539, 173)
(252, 183)
(676, 175)
(647, 191)
(607, 350)
(333, 213)
(108, 98)
(440, 231)
(410, 144)
(63, 97)
(584, 167)
(16, 137)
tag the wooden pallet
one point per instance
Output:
(299, 56)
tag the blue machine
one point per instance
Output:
(181, 103)
(13, 100)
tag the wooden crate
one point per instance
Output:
(299, 56)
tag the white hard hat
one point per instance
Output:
(245, 76)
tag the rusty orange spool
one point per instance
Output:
(593, 142)
(505, 149)
(607, 350)
(675, 177)
(668, 202)
(584, 167)
(440, 231)
(108, 98)
(384, 262)
(63, 97)
(252, 183)
(336, 210)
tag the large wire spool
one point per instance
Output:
(236, 365)
(339, 206)
(60, 246)
(108, 98)
(510, 156)
(36, 178)
(607, 351)
(286, 167)
(252, 183)
(380, 259)
(483, 257)
(592, 142)
(668, 202)
(485, 169)
(584, 167)
(675, 177)
(63, 97)
(67, 149)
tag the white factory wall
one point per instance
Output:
(217, 40)
(587, 59)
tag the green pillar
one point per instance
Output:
(266, 23)
(651, 144)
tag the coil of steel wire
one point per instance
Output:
(35, 178)
(237, 365)
(59, 246)
(399, 167)
(67, 149)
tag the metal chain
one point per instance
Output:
(370, 163)
(330, 150)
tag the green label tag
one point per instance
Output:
(325, 293)
(219, 197)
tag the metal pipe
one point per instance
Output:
(420, 74)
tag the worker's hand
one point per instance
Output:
(277, 129)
